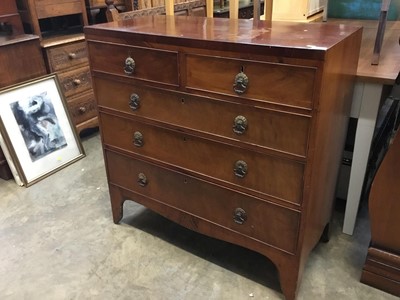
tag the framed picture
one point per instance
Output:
(36, 129)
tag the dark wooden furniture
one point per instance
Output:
(60, 27)
(20, 58)
(232, 128)
(382, 266)
(9, 18)
(371, 87)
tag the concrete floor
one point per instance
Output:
(58, 241)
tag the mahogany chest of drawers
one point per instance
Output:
(232, 128)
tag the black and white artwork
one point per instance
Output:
(39, 125)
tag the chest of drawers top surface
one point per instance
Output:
(303, 39)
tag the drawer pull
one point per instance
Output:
(138, 139)
(82, 109)
(72, 55)
(129, 66)
(134, 101)
(142, 179)
(241, 82)
(240, 169)
(240, 125)
(77, 82)
(239, 216)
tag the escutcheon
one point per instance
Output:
(138, 139)
(239, 125)
(130, 65)
(134, 101)
(241, 83)
(239, 216)
(142, 179)
(240, 168)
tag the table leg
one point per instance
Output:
(370, 99)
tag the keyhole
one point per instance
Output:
(242, 69)
(183, 100)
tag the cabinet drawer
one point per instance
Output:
(283, 84)
(82, 107)
(266, 222)
(272, 176)
(75, 81)
(150, 64)
(50, 8)
(269, 129)
(67, 56)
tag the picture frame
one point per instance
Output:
(36, 129)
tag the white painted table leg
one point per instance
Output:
(369, 106)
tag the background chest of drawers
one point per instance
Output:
(69, 59)
(231, 128)
(59, 24)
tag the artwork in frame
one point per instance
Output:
(36, 129)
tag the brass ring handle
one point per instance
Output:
(77, 81)
(240, 168)
(239, 125)
(72, 55)
(239, 216)
(241, 83)
(138, 139)
(134, 101)
(142, 179)
(130, 65)
(82, 109)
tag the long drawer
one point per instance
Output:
(110, 58)
(260, 220)
(278, 83)
(273, 176)
(275, 130)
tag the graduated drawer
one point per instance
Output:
(150, 64)
(266, 128)
(75, 81)
(67, 55)
(259, 220)
(279, 83)
(82, 107)
(268, 175)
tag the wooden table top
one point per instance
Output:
(388, 68)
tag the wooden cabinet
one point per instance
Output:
(382, 266)
(20, 58)
(9, 17)
(238, 136)
(60, 26)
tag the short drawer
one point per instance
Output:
(260, 220)
(67, 56)
(149, 64)
(75, 81)
(271, 176)
(275, 130)
(51, 8)
(82, 107)
(278, 83)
